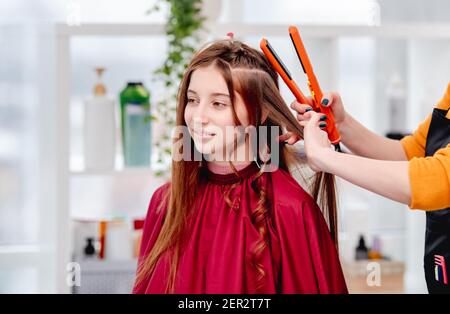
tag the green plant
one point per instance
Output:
(184, 23)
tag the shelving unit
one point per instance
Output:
(327, 36)
(388, 280)
(106, 277)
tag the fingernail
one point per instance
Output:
(325, 102)
(323, 118)
(308, 109)
(322, 125)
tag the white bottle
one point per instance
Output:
(118, 242)
(99, 129)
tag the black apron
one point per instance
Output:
(437, 236)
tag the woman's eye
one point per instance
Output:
(219, 104)
(191, 100)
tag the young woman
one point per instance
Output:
(233, 222)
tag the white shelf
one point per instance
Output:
(116, 172)
(407, 31)
(397, 30)
(98, 265)
(106, 276)
(93, 29)
(20, 255)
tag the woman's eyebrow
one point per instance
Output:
(213, 94)
(220, 94)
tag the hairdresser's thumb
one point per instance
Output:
(327, 100)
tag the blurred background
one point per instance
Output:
(74, 186)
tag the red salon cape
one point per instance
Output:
(301, 256)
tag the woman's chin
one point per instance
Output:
(204, 148)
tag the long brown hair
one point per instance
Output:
(247, 72)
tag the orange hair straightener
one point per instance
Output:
(313, 84)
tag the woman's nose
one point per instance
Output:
(201, 116)
(200, 120)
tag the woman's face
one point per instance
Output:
(209, 115)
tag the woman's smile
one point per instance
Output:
(203, 134)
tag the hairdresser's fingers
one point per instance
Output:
(289, 138)
(315, 117)
(304, 117)
(284, 137)
(328, 99)
(314, 132)
(300, 108)
(316, 141)
(333, 101)
(313, 121)
(293, 139)
(307, 119)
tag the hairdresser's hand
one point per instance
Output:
(317, 145)
(330, 100)
(289, 137)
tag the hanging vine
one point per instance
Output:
(184, 23)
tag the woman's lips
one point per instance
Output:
(204, 134)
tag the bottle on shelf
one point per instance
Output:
(375, 251)
(102, 239)
(89, 250)
(136, 125)
(118, 240)
(99, 128)
(137, 236)
(361, 252)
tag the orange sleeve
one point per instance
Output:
(430, 181)
(414, 145)
(429, 177)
